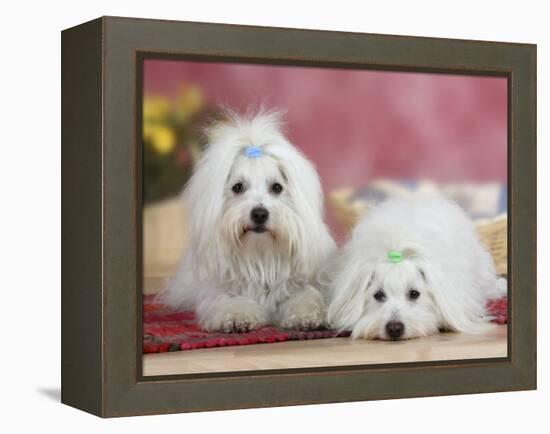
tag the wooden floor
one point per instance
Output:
(324, 352)
(327, 352)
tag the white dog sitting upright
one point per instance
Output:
(257, 235)
(413, 267)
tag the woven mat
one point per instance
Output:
(166, 330)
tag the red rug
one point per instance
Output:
(166, 330)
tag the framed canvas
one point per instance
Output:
(367, 119)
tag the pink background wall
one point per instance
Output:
(357, 125)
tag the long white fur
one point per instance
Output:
(443, 259)
(240, 281)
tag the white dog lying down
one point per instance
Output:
(257, 235)
(413, 267)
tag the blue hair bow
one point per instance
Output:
(253, 152)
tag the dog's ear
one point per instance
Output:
(461, 307)
(203, 198)
(315, 243)
(348, 289)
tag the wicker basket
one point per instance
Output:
(492, 232)
(164, 236)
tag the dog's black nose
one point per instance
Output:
(259, 215)
(395, 329)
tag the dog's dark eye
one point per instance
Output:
(238, 188)
(379, 295)
(413, 294)
(276, 188)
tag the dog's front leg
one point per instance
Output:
(303, 310)
(230, 314)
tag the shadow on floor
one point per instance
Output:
(52, 393)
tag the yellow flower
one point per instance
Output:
(189, 102)
(194, 98)
(163, 140)
(155, 107)
(148, 131)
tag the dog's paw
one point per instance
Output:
(305, 321)
(303, 311)
(240, 324)
(236, 317)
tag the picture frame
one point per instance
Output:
(101, 217)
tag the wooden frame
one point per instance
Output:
(101, 212)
